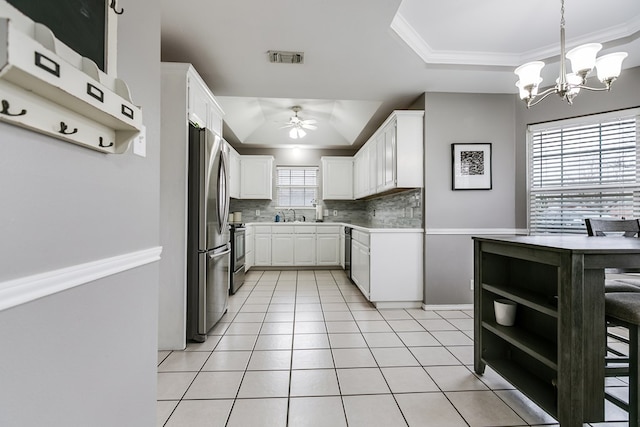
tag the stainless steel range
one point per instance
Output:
(237, 256)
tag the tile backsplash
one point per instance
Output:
(401, 210)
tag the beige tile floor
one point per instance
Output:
(304, 348)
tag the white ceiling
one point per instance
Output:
(365, 58)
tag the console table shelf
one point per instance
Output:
(535, 346)
(543, 393)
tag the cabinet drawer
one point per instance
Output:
(361, 237)
(305, 229)
(282, 229)
(262, 229)
(333, 229)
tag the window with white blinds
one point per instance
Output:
(583, 168)
(296, 187)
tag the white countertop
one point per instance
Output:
(342, 224)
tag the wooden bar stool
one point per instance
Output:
(616, 227)
(623, 309)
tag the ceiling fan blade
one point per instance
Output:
(311, 127)
(288, 125)
(309, 121)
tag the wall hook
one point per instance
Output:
(64, 127)
(5, 109)
(104, 146)
(113, 6)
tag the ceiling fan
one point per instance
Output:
(298, 125)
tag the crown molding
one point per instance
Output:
(616, 36)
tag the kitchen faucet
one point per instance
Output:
(294, 213)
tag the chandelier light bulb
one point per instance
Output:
(530, 90)
(529, 73)
(583, 58)
(573, 81)
(609, 66)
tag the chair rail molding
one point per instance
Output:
(475, 231)
(30, 288)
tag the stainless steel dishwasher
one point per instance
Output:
(347, 251)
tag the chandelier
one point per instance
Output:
(568, 85)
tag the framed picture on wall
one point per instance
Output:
(471, 166)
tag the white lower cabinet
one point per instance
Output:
(341, 248)
(305, 245)
(282, 245)
(262, 246)
(328, 249)
(387, 267)
(360, 271)
(295, 245)
(282, 249)
(249, 251)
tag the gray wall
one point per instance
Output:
(451, 217)
(625, 93)
(85, 356)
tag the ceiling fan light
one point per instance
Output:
(293, 134)
(301, 133)
(583, 58)
(529, 73)
(609, 66)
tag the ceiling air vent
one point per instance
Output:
(282, 57)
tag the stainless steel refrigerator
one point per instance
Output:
(208, 245)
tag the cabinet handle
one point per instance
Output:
(5, 109)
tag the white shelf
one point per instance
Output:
(41, 91)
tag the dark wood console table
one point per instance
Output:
(554, 353)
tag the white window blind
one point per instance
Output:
(296, 186)
(583, 168)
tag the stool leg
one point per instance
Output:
(634, 375)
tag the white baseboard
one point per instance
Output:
(399, 304)
(443, 307)
(25, 289)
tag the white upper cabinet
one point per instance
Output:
(398, 142)
(404, 147)
(234, 173)
(361, 169)
(337, 178)
(386, 161)
(204, 110)
(256, 177)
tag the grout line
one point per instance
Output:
(326, 288)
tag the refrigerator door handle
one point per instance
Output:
(218, 254)
(223, 198)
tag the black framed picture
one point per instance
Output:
(471, 166)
